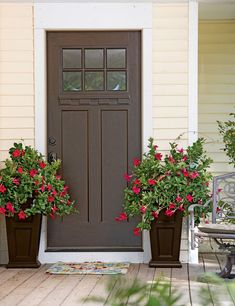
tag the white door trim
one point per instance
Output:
(193, 90)
(91, 16)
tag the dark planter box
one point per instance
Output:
(165, 238)
(23, 237)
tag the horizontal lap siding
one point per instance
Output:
(16, 76)
(216, 85)
(170, 81)
(170, 74)
(16, 85)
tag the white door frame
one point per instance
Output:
(193, 91)
(91, 16)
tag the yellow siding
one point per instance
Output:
(170, 82)
(16, 76)
(216, 85)
(16, 85)
(170, 73)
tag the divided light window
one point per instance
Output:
(94, 69)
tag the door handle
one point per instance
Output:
(52, 156)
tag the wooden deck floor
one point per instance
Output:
(27, 287)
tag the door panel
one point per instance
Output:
(94, 116)
(76, 153)
(114, 161)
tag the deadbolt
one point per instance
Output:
(52, 141)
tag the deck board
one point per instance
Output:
(24, 288)
(42, 291)
(179, 282)
(211, 265)
(195, 271)
(222, 260)
(28, 287)
(81, 291)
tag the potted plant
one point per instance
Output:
(160, 190)
(30, 188)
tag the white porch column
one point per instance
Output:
(193, 90)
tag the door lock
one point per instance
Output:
(52, 156)
(52, 141)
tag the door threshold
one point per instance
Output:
(94, 249)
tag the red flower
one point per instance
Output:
(22, 215)
(62, 193)
(10, 207)
(136, 190)
(50, 199)
(181, 151)
(169, 212)
(42, 164)
(36, 183)
(136, 162)
(54, 209)
(143, 209)
(49, 187)
(137, 182)
(122, 217)
(52, 216)
(155, 147)
(66, 188)
(69, 202)
(219, 190)
(16, 181)
(20, 170)
(171, 159)
(185, 172)
(16, 153)
(158, 156)
(155, 214)
(189, 198)
(171, 206)
(194, 175)
(127, 177)
(137, 231)
(181, 208)
(178, 199)
(54, 193)
(33, 172)
(42, 188)
(184, 158)
(152, 182)
(2, 210)
(2, 188)
(58, 177)
(23, 152)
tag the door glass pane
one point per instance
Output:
(94, 80)
(94, 58)
(116, 80)
(72, 81)
(72, 58)
(116, 58)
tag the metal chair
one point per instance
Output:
(223, 220)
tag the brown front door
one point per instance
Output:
(94, 127)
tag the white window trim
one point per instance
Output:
(193, 91)
(91, 16)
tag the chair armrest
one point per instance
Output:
(191, 207)
(191, 220)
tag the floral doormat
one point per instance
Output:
(89, 268)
